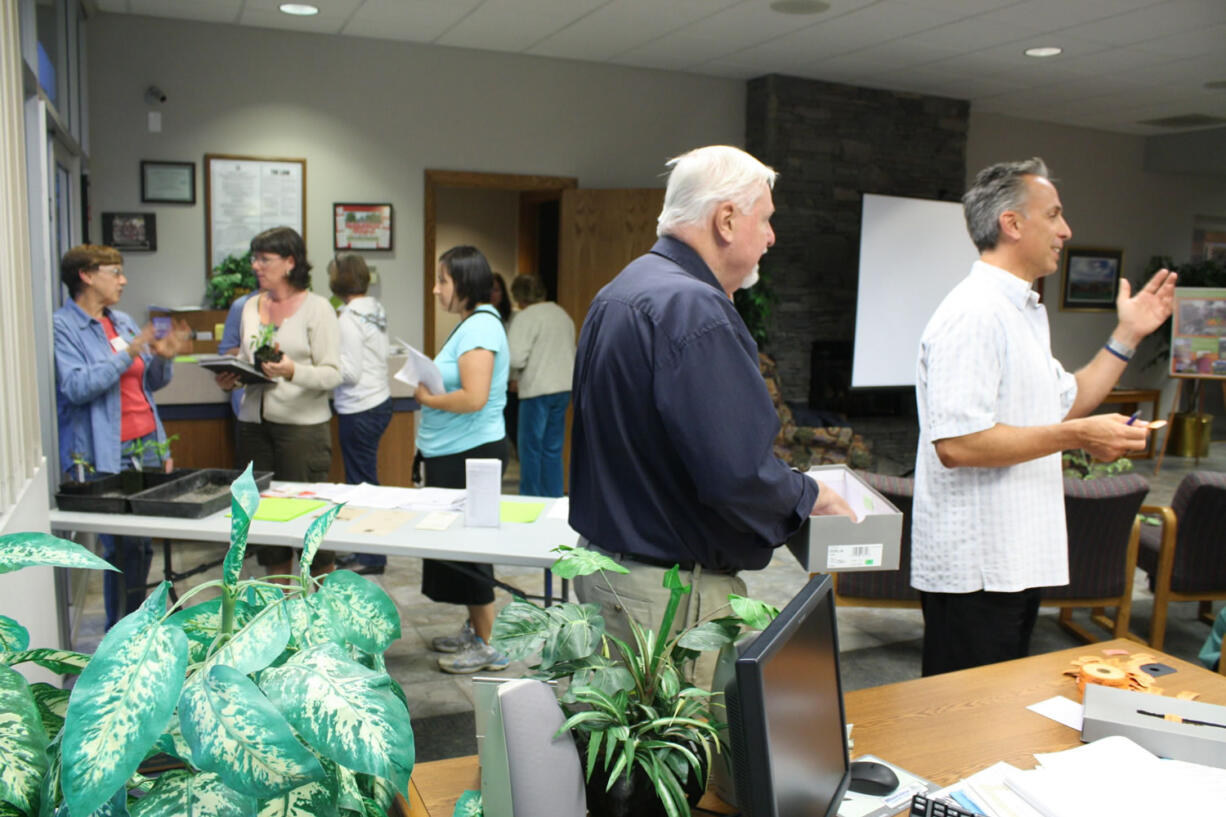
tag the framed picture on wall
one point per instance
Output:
(168, 182)
(1091, 279)
(130, 231)
(362, 226)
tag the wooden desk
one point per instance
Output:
(1129, 400)
(944, 728)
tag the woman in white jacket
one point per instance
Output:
(362, 400)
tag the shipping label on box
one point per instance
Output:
(829, 544)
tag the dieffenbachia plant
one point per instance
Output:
(275, 699)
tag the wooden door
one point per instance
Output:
(601, 231)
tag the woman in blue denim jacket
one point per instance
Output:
(106, 369)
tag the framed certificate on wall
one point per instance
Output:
(362, 226)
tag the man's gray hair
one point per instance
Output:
(997, 188)
(705, 177)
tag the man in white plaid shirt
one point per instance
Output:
(995, 411)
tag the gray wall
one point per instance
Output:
(369, 116)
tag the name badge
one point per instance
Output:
(118, 344)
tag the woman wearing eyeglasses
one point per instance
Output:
(284, 426)
(106, 370)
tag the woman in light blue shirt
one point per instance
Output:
(465, 422)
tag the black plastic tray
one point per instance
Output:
(197, 495)
(109, 493)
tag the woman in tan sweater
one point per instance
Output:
(283, 426)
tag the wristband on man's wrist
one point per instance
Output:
(1118, 349)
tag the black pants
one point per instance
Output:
(439, 580)
(964, 630)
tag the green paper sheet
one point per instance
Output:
(520, 511)
(283, 509)
(186, 359)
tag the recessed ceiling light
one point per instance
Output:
(1044, 51)
(800, 6)
(299, 9)
(1216, 85)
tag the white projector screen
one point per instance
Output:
(912, 253)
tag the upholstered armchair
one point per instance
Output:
(1185, 556)
(805, 446)
(1101, 519)
(884, 588)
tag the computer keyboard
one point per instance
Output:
(921, 806)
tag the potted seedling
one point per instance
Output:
(264, 345)
(81, 465)
(271, 699)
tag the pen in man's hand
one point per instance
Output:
(1133, 418)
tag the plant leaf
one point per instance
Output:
(23, 743)
(257, 645)
(311, 622)
(261, 595)
(710, 635)
(469, 805)
(52, 704)
(574, 632)
(244, 499)
(235, 731)
(61, 662)
(315, 535)
(610, 679)
(520, 629)
(579, 561)
(755, 614)
(345, 711)
(13, 636)
(366, 614)
(310, 800)
(171, 741)
(121, 703)
(185, 794)
(348, 795)
(18, 550)
(202, 622)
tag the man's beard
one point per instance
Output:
(750, 279)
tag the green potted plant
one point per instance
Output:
(273, 699)
(646, 734)
(230, 279)
(264, 345)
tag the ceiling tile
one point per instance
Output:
(973, 34)
(515, 25)
(317, 24)
(618, 27)
(1051, 15)
(421, 21)
(1153, 21)
(205, 11)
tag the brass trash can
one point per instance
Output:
(1190, 433)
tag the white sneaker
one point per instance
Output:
(479, 656)
(455, 643)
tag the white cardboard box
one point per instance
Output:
(836, 544)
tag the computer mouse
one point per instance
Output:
(872, 778)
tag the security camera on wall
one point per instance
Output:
(154, 95)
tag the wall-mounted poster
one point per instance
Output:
(130, 231)
(244, 196)
(1198, 333)
(362, 226)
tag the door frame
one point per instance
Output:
(436, 179)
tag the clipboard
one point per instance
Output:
(218, 364)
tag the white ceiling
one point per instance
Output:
(1124, 61)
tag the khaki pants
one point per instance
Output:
(641, 593)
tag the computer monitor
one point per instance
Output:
(785, 713)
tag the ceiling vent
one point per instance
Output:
(1190, 120)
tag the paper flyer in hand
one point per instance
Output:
(420, 369)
